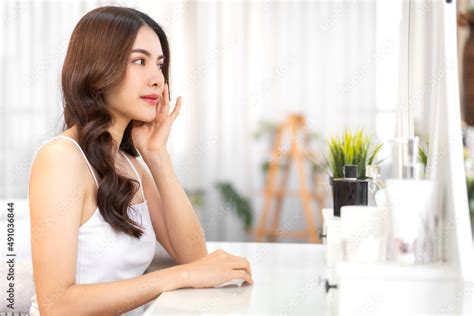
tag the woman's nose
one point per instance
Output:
(157, 78)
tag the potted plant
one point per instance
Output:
(266, 129)
(423, 158)
(353, 151)
(468, 165)
(470, 198)
(470, 194)
(240, 204)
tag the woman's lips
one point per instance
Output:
(152, 101)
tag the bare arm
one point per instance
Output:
(118, 297)
(184, 231)
(56, 196)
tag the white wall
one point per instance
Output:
(235, 63)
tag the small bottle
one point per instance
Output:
(411, 166)
(372, 172)
(349, 190)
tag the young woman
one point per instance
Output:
(96, 213)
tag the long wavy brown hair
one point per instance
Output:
(96, 60)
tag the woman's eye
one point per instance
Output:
(160, 66)
(139, 61)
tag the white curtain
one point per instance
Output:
(235, 63)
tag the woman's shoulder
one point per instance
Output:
(57, 183)
(60, 154)
(58, 147)
(65, 142)
(56, 143)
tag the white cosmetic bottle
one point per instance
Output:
(412, 202)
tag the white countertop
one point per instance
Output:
(286, 282)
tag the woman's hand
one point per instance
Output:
(153, 136)
(216, 268)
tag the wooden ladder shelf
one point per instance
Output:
(295, 125)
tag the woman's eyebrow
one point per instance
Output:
(146, 53)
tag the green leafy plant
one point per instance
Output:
(422, 157)
(470, 194)
(351, 149)
(240, 204)
(268, 129)
(265, 166)
(265, 128)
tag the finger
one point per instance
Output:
(177, 109)
(242, 264)
(166, 99)
(159, 106)
(160, 110)
(162, 103)
(165, 92)
(241, 274)
(162, 107)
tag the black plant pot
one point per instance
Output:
(348, 192)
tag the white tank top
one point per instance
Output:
(104, 255)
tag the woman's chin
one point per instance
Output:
(148, 117)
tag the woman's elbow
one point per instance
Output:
(55, 304)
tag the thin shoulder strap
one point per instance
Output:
(82, 152)
(136, 172)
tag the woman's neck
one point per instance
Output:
(116, 130)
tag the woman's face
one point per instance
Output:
(137, 96)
